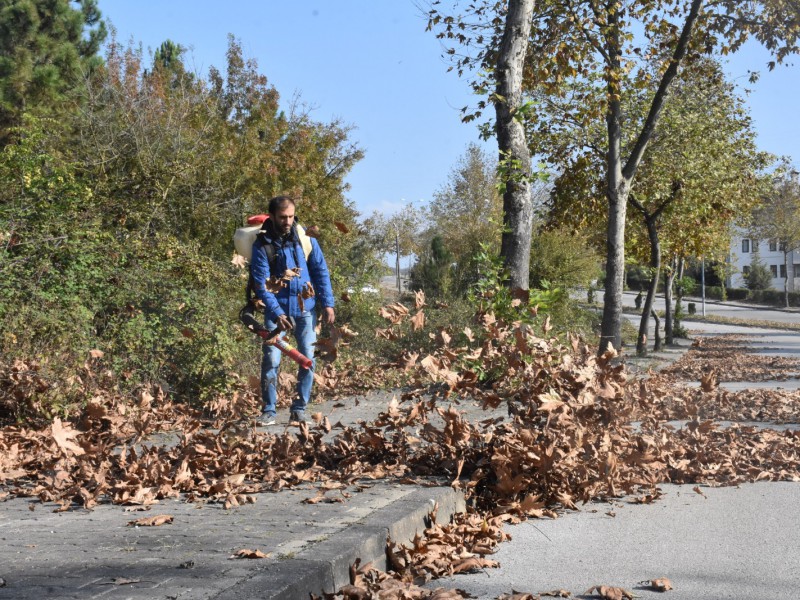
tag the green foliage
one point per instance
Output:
(563, 259)
(491, 295)
(433, 271)
(465, 212)
(759, 277)
(174, 154)
(685, 286)
(119, 241)
(157, 307)
(45, 45)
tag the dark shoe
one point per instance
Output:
(297, 417)
(265, 420)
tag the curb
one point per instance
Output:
(325, 566)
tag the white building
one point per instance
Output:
(743, 249)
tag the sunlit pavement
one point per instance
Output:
(725, 542)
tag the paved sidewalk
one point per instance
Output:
(310, 547)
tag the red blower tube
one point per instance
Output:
(248, 319)
(286, 348)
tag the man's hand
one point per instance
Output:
(328, 316)
(284, 323)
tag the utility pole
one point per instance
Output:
(397, 259)
(703, 285)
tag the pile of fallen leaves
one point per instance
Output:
(726, 358)
(567, 437)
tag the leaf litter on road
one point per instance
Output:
(566, 438)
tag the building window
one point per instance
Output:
(782, 246)
(773, 246)
(783, 271)
(774, 270)
(745, 245)
(746, 270)
(796, 270)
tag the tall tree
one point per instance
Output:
(777, 219)
(698, 175)
(584, 49)
(515, 157)
(177, 154)
(467, 211)
(45, 47)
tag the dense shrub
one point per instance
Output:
(767, 297)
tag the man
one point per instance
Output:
(279, 247)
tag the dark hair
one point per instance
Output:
(278, 202)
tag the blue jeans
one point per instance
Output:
(306, 336)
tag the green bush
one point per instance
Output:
(759, 277)
(767, 297)
(563, 260)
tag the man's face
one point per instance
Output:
(283, 218)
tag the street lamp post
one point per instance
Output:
(703, 285)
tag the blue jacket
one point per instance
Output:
(289, 255)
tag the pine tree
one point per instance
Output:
(45, 47)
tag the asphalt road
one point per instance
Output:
(733, 310)
(737, 542)
(731, 543)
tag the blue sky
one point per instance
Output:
(372, 64)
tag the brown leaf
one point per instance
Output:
(239, 261)
(474, 564)
(341, 227)
(611, 593)
(418, 321)
(709, 381)
(419, 299)
(662, 584)
(557, 594)
(63, 435)
(153, 521)
(247, 553)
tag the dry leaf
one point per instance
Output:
(418, 321)
(63, 435)
(662, 584)
(238, 261)
(247, 553)
(153, 521)
(341, 227)
(611, 593)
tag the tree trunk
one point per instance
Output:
(657, 335)
(618, 178)
(515, 159)
(617, 190)
(655, 265)
(669, 279)
(678, 315)
(611, 327)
